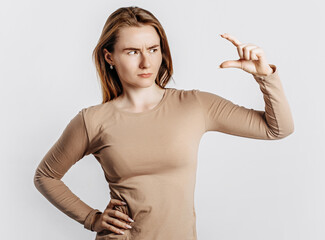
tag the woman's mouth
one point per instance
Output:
(145, 75)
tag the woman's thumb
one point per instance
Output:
(231, 64)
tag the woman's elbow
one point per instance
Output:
(285, 132)
(38, 179)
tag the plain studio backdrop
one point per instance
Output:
(246, 188)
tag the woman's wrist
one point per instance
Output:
(96, 217)
(270, 72)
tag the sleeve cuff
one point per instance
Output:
(90, 218)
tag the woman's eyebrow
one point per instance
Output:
(132, 48)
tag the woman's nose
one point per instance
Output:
(145, 61)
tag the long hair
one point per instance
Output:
(127, 17)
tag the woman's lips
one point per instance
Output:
(145, 75)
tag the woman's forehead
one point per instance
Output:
(134, 36)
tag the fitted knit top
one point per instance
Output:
(150, 158)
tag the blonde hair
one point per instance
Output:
(127, 17)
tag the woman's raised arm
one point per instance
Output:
(274, 123)
(224, 116)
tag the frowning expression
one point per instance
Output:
(137, 51)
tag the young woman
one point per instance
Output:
(146, 136)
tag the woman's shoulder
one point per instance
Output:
(183, 91)
(96, 113)
(92, 109)
(196, 94)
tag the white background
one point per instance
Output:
(246, 188)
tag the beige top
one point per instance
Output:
(150, 158)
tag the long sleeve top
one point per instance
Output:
(149, 158)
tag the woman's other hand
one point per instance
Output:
(252, 58)
(111, 219)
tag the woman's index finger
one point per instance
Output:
(232, 39)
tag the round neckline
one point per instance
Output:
(135, 114)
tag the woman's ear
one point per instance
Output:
(107, 56)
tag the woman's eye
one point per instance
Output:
(155, 49)
(131, 51)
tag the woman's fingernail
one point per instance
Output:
(131, 220)
(124, 203)
(121, 232)
(128, 226)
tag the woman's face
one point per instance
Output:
(137, 51)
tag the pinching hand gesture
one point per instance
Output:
(252, 58)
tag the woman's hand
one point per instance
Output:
(252, 58)
(109, 219)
